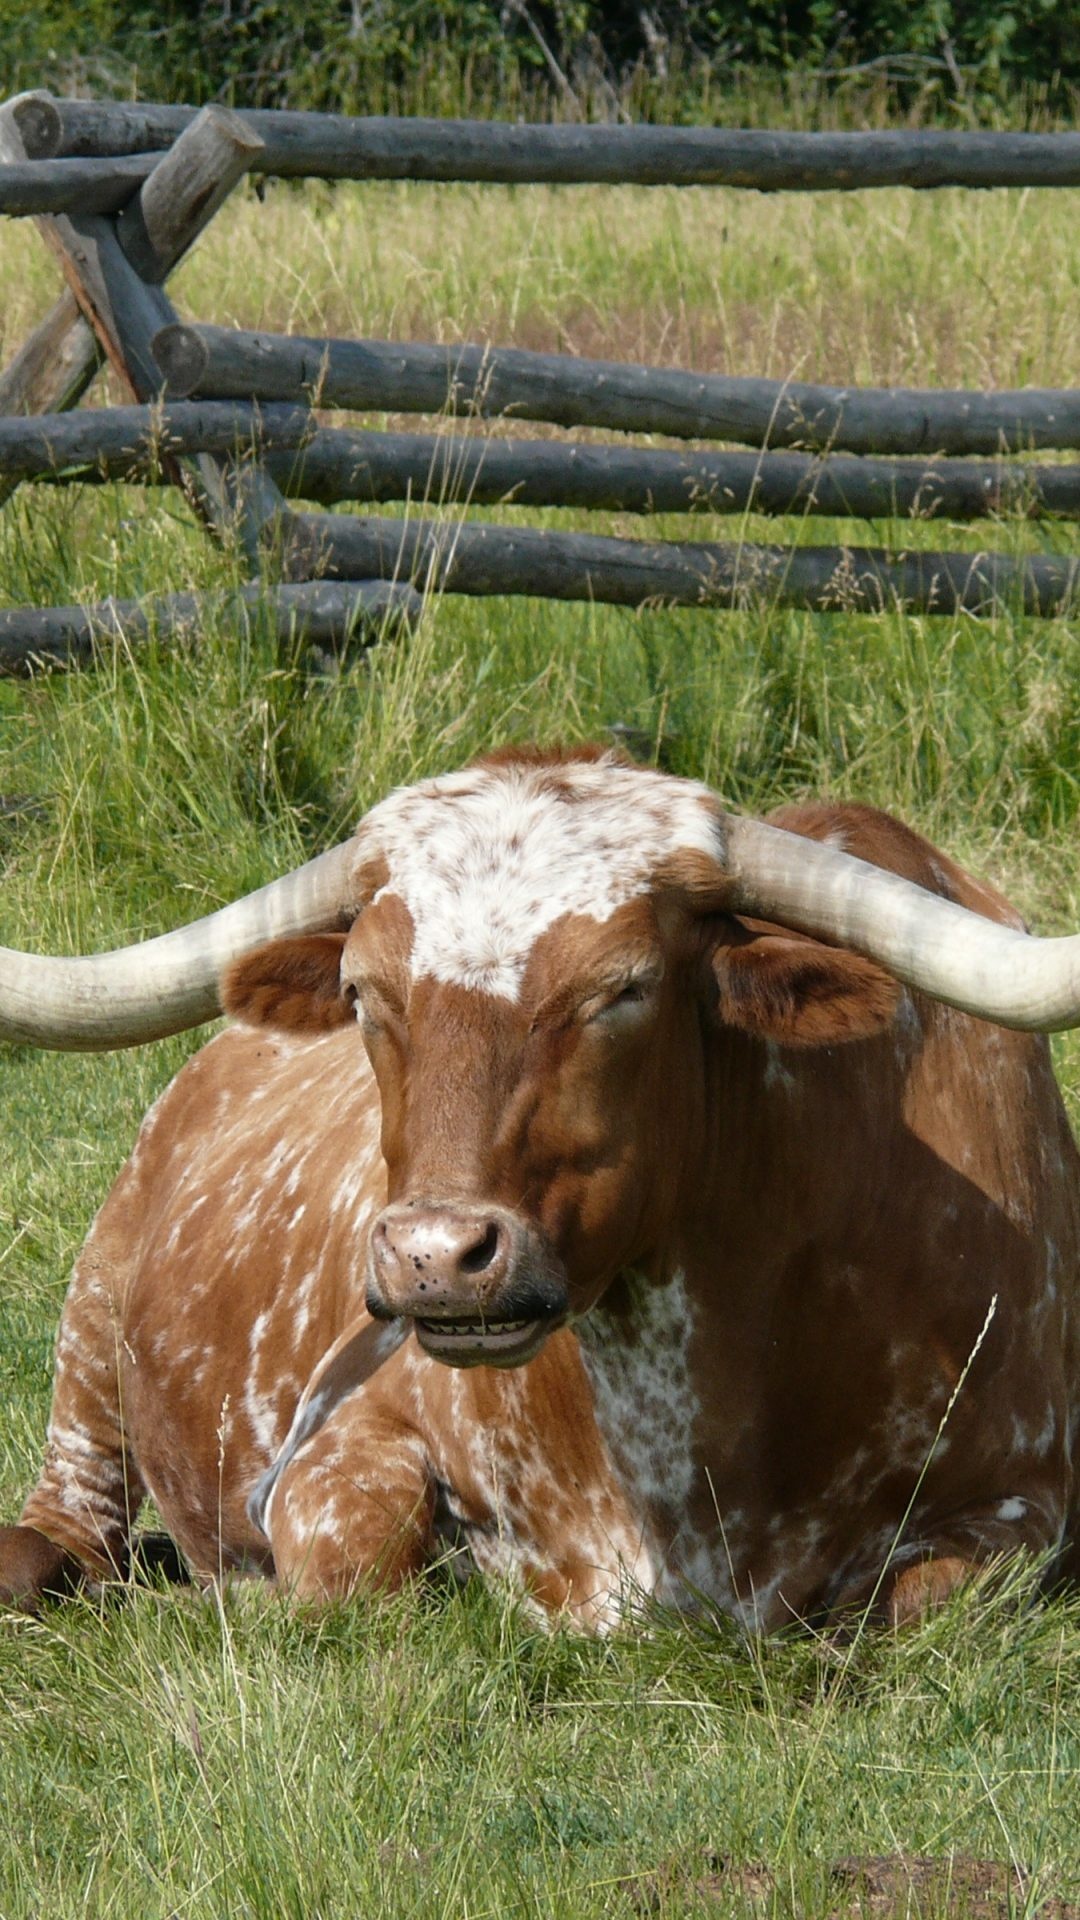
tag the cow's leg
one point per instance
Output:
(901, 1595)
(1027, 1523)
(76, 1522)
(353, 1508)
(918, 1590)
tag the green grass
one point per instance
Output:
(436, 1755)
(170, 1755)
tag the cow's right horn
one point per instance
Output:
(168, 984)
(957, 956)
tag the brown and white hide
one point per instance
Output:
(557, 1213)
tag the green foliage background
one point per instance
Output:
(957, 59)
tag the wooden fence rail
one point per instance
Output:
(72, 186)
(486, 382)
(450, 468)
(121, 190)
(139, 442)
(484, 560)
(336, 147)
(458, 469)
(322, 613)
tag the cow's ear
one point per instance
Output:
(291, 984)
(799, 993)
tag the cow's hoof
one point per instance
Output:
(920, 1589)
(33, 1568)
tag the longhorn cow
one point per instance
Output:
(647, 1200)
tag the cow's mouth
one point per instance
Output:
(484, 1343)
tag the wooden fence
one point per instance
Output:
(120, 192)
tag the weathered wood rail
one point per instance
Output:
(319, 612)
(465, 469)
(454, 469)
(485, 560)
(486, 382)
(336, 147)
(121, 191)
(120, 443)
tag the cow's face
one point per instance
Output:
(532, 1144)
(539, 984)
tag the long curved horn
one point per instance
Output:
(949, 952)
(162, 986)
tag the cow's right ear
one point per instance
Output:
(291, 984)
(796, 991)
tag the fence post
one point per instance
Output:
(56, 364)
(118, 310)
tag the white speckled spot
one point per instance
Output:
(520, 847)
(646, 1404)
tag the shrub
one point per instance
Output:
(667, 59)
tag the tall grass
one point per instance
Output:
(439, 1757)
(172, 1754)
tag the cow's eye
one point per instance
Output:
(351, 993)
(374, 1011)
(627, 1001)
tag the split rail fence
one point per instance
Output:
(120, 193)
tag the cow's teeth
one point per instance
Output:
(475, 1327)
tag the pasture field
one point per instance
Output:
(173, 1754)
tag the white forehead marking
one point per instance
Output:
(487, 859)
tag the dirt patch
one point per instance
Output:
(867, 1887)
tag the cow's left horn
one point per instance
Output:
(950, 953)
(161, 986)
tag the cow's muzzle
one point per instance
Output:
(478, 1283)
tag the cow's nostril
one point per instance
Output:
(479, 1257)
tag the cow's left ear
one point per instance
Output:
(799, 993)
(292, 984)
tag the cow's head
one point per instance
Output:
(539, 976)
(538, 954)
